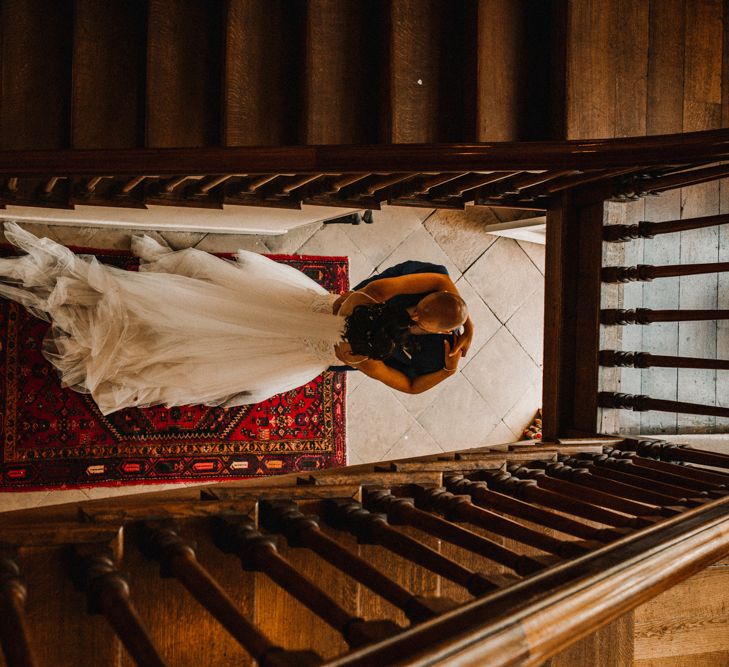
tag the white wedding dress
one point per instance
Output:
(188, 328)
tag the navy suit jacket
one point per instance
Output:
(429, 356)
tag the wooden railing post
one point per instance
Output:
(107, 593)
(14, 635)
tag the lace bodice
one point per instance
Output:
(324, 350)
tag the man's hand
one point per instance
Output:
(338, 303)
(463, 342)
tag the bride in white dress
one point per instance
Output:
(188, 328)
(192, 328)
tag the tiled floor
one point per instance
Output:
(498, 387)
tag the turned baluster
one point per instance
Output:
(300, 182)
(698, 475)
(386, 182)
(92, 183)
(668, 451)
(529, 180)
(647, 230)
(566, 479)
(681, 484)
(461, 508)
(532, 487)
(683, 178)
(612, 358)
(647, 272)
(12, 185)
(259, 553)
(177, 559)
(303, 530)
(641, 490)
(483, 496)
(131, 184)
(624, 316)
(204, 188)
(420, 188)
(344, 181)
(107, 593)
(256, 184)
(14, 635)
(402, 511)
(642, 403)
(457, 187)
(372, 528)
(603, 493)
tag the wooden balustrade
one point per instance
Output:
(402, 511)
(370, 528)
(260, 553)
(303, 530)
(177, 559)
(555, 511)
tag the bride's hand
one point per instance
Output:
(343, 352)
(338, 303)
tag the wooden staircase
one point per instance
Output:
(162, 73)
(501, 556)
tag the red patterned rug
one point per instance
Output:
(56, 438)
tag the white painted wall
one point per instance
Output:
(230, 219)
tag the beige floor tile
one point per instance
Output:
(527, 325)
(232, 243)
(354, 379)
(376, 421)
(504, 277)
(501, 435)
(416, 442)
(21, 500)
(485, 323)
(182, 240)
(502, 371)
(536, 253)
(61, 497)
(421, 246)
(290, 242)
(332, 240)
(415, 404)
(459, 417)
(523, 411)
(461, 233)
(391, 226)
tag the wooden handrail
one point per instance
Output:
(531, 621)
(691, 147)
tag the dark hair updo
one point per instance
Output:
(377, 330)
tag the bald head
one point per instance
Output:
(441, 312)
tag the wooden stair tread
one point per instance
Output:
(514, 69)
(183, 73)
(426, 100)
(109, 60)
(36, 68)
(261, 88)
(340, 78)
